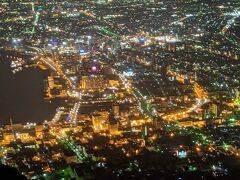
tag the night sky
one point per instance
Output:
(21, 95)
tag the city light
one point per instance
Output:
(120, 89)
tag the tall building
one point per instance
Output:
(100, 121)
(113, 125)
(210, 110)
(213, 109)
(115, 108)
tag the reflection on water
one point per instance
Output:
(22, 95)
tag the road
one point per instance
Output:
(57, 68)
(56, 131)
(39, 56)
(200, 94)
(201, 98)
(74, 112)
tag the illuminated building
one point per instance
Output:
(190, 123)
(93, 82)
(213, 109)
(145, 131)
(39, 131)
(113, 83)
(216, 121)
(100, 121)
(238, 122)
(70, 158)
(115, 110)
(226, 114)
(23, 136)
(185, 123)
(175, 46)
(138, 120)
(14, 127)
(8, 136)
(210, 110)
(55, 88)
(172, 47)
(54, 81)
(182, 153)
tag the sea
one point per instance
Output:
(22, 95)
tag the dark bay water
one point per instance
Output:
(22, 95)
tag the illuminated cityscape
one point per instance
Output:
(117, 89)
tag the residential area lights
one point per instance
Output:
(142, 89)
